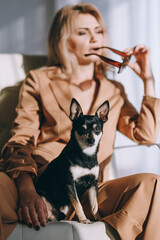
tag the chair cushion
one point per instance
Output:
(65, 230)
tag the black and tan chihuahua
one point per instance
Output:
(76, 169)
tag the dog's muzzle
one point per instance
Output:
(90, 139)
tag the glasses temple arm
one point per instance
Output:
(115, 51)
(108, 60)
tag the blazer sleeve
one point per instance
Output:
(140, 127)
(17, 153)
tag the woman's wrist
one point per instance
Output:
(149, 88)
(24, 182)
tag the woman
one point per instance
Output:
(131, 205)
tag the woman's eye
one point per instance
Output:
(81, 33)
(100, 32)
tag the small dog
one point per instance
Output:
(76, 169)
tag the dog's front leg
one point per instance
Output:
(77, 205)
(93, 202)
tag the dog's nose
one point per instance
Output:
(91, 140)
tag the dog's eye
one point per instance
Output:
(97, 128)
(84, 127)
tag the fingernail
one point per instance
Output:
(30, 225)
(37, 228)
(43, 224)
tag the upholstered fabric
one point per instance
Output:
(64, 231)
(8, 102)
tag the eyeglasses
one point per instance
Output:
(120, 65)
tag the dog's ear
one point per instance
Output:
(102, 111)
(75, 109)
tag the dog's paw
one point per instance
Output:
(85, 221)
(51, 219)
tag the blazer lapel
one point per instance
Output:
(103, 93)
(64, 96)
(62, 93)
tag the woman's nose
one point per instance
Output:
(93, 37)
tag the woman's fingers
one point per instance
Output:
(41, 212)
(20, 215)
(35, 218)
(26, 216)
(141, 66)
(129, 51)
(140, 48)
(32, 210)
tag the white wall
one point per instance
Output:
(24, 25)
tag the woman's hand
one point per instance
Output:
(32, 210)
(142, 67)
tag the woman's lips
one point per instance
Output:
(93, 50)
(96, 48)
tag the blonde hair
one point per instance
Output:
(61, 28)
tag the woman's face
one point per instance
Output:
(87, 36)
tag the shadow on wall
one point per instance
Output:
(24, 26)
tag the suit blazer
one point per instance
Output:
(42, 127)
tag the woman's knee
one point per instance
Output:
(148, 176)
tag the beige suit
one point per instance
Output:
(42, 128)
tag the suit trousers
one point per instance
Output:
(131, 205)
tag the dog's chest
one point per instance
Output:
(79, 172)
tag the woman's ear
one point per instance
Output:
(75, 109)
(103, 110)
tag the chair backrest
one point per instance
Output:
(13, 69)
